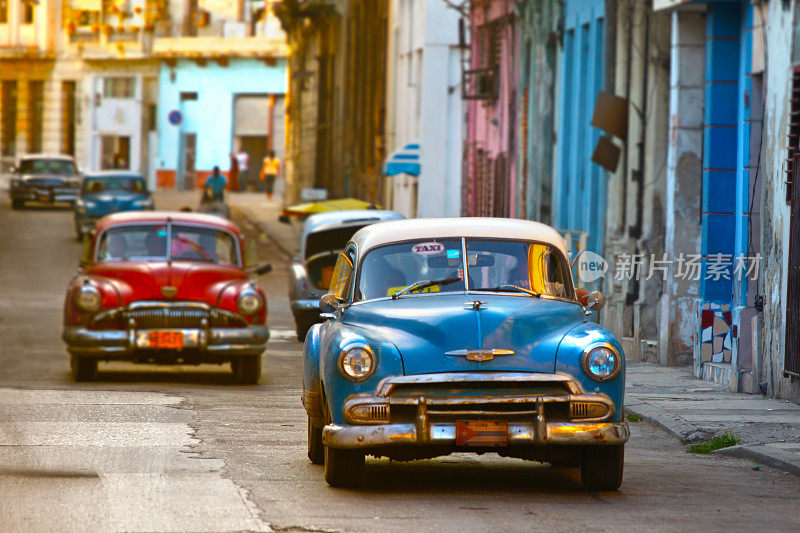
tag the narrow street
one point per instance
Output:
(187, 449)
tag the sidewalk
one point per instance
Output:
(694, 411)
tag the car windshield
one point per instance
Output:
(61, 167)
(493, 265)
(149, 242)
(113, 185)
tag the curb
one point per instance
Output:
(766, 455)
(671, 423)
(264, 228)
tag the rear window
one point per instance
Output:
(332, 241)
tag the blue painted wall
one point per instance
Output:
(580, 188)
(211, 115)
(726, 143)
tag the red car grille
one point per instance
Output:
(166, 318)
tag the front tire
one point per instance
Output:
(602, 467)
(316, 450)
(343, 468)
(83, 368)
(247, 369)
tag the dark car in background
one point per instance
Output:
(43, 178)
(324, 236)
(104, 193)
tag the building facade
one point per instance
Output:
(337, 108)
(489, 86)
(424, 106)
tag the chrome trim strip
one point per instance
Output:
(388, 384)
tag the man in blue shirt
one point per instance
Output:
(215, 185)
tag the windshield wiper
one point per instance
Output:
(508, 288)
(424, 284)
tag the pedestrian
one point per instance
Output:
(243, 164)
(233, 174)
(215, 185)
(269, 171)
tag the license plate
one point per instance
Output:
(44, 198)
(481, 433)
(166, 339)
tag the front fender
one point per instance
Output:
(569, 360)
(312, 393)
(337, 337)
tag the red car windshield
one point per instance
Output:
(149, 242)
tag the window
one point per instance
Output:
(113, 185)
(119, 87)
(27, 12)
(342, 276)
(35, 115)
(9, 118)
(115, 152)
(149, 241)
(68, 117)
(3, 11)
(61, 167)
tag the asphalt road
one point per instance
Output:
(186, 449)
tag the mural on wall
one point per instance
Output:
(717, 334)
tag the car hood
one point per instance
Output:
(54, 179)
(109, 203)
(144, 280)
(425, 328)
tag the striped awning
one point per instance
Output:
(403, 161)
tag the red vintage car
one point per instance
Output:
(166, 288)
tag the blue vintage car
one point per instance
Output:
(324, 236)
(103, 193)
(445, 335)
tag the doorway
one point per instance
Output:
(187, 174)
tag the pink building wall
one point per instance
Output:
(489, 151)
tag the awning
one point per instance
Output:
(403, 161)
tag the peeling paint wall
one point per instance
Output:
(775, 212)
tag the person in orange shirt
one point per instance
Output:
(269, 171)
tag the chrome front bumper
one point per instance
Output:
(434, 422)
(123, 344)
(519, 433)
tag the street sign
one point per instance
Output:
(175, 117)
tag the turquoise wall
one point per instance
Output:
(211, 115)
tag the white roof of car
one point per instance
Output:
(61, 157)
(442, 228)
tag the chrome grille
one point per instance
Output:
(166, 317)
(579, 410)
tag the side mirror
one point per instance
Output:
(264, 269)
(593, 300)
(283, 219)
(330, 303)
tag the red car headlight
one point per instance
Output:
(249, 302)
(88, 299)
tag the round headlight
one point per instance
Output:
(249, 302)
(357, 363)
(601, 362)
(88, 299)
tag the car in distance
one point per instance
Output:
(166, 288)
(104, 193)
(44, 178)
(462, 334)
(324, 236)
